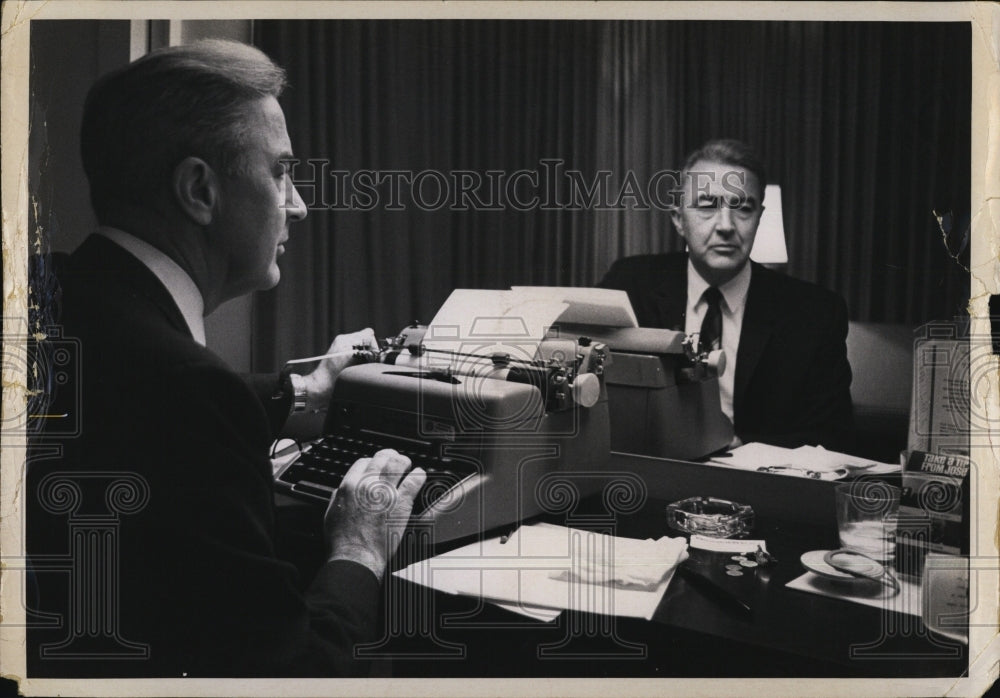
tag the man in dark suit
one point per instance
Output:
(184, 154)
(790, 382)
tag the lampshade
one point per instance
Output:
(769, 245)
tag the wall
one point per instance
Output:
(66, 57)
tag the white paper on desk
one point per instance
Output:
(607, 307)
(537, 612)
(831, 460)
(522, 570)
(423, 573)
(802, 461)
(909, 599)
(484, 322)
(727, 545)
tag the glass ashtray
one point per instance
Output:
(709, 516)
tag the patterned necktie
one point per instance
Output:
(711, 327)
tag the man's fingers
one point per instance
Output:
(386, 454)
(357, 472)
(346, 342)
(412, 483)
(390, 465)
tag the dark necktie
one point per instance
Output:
(711, 327)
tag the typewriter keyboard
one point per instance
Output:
(319, 470)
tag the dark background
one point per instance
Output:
(865, 125)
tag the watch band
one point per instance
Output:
(299, 393)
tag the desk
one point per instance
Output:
(791, 633)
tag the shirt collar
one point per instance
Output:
(179, 285)
(734, 292)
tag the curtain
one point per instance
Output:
(502, 153)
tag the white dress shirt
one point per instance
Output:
(734, 301)
(177, 282)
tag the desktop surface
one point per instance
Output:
(693, 633)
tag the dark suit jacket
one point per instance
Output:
(199, 584)
(792, 382)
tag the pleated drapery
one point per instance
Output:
(864, 125)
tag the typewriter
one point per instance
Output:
(663, 392)
(501, 438)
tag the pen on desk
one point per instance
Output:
(713, 589)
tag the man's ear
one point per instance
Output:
(196, 189)
(675, 217)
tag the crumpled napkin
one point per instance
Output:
(627, 563)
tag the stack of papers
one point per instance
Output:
(541, 570)
(806, 461)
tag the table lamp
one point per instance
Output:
(769, 246)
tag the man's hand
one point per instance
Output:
(366, 518)
(319, 383)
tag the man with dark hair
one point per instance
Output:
(790, 382)
(184, 150)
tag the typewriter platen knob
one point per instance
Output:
(716, 361)
(586, 389)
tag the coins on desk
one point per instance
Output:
(744, 562)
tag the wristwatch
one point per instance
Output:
(299, 393)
